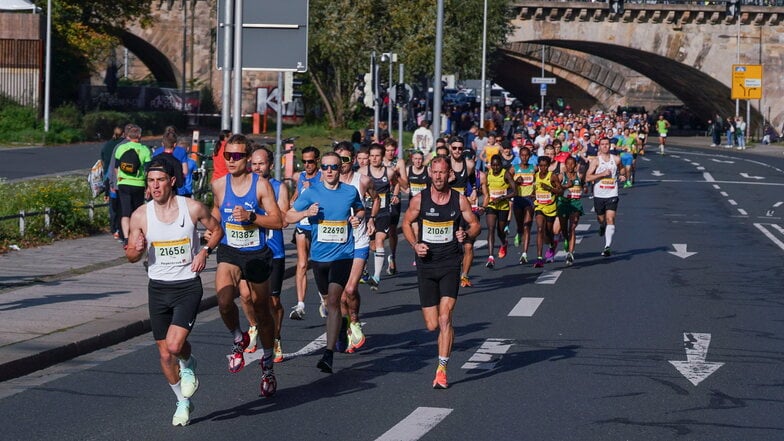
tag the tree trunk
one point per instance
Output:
(324, 100)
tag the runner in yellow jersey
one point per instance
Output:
(523, 204)
(498, 187)
(546, 188)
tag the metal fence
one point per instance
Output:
(682, 2)
(20, 70)
(46, 213)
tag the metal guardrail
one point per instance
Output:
(46, 213)
(679, 2)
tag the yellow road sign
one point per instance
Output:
(746, 81)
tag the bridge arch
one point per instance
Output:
(687, 50)
(159, 65)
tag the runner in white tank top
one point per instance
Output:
(605, 171)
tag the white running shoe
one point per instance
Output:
(188, 381)
(182, 416)
(253, 333)
(297, 313)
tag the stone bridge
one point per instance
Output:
(651, 54)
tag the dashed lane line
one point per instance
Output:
(742, 212)
(489, 354)
(416, 424)
(526, 307)
(548, 277)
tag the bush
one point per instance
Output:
(101, 125)
(64, 196)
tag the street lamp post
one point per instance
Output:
(437, 70)
(47, 84)
(390, 57)
(484, 66)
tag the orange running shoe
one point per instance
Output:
(440, 381)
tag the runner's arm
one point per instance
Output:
(137, 243)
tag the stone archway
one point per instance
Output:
(158, 64)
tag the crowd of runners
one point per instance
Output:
(346, 207)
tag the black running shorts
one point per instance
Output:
(255, 266)
(336, 272)
(437, 282)
(276, 277)
(173, 303)
(602, 205)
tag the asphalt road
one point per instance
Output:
(29, 162)
(653, 343)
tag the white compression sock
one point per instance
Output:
(177, 391)
(379, 258)
(608, 235)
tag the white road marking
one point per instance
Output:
(319, 343)
(645, 159)
(743, 212)
(778, 204)
(722, 162)
(479, 244)
(687, 159)
(724, 193)
(526, 307)
(695, 164)
(680, 251)
(586, 227)
(695, 368)
(708, 177)
(747, 176)
(770, 235)
(700, 168)
(716, 187)
(416, 424)
(657, 173)
(732, 202)
(578, 238)
(489, 354)
(675, 156)
(548, 278)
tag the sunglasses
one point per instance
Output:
(456, 148)
(345, 159)
(234, 156)
(308, 161)
(333, 167)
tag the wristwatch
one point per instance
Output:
(208, 250)
(252, 216)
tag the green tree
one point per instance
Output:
(83, 36)
(343, 33)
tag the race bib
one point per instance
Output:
(383, 200)
(437, 232)
(528, 178)
(574, 192)
(460, 190)
(333, 231)
(495, 194)
(416, 188)
(544, 197)
(173, 252)
(607, 183)
(242, 236)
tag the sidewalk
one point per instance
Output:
(73, 297)
(705, 142)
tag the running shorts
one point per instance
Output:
(336, 272)
(437, 282)
(255, 266)
(521, 202)
(362, 253)
(382, 226)
(602, 205)
(173, 303)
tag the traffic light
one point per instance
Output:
(367, 90)
(733, 8)
(616, 7)
(401, 94)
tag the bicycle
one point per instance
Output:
(201, 182)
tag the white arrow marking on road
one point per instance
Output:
(680, 251)
(548, 278)
(747, 176)
(722, 162)
(695, 368)
(484, 357)
(416, 424)
(526, 307)
(657, 173)
(319, 343)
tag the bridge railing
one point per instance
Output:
(678, 2)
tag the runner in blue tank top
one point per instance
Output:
(246, 206)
